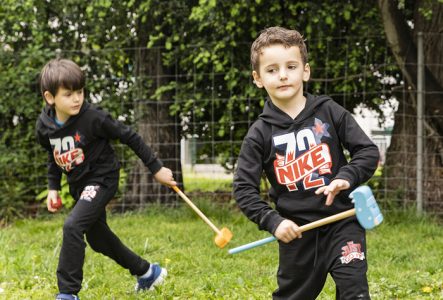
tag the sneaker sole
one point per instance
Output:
(159, 279)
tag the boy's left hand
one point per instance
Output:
(333, 189)
(165, 176)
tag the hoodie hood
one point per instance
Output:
(47, 116)
(275, 116)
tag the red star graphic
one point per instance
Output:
(77, 137)
(318, 128)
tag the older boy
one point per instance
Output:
(76, 135)
(298, 142)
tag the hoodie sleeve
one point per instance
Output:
(247, 188)
(54, 173)
(114, 129)
(364, 153)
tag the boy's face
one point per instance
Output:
(66, 102)
(281, 72)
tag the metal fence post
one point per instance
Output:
(420, 85)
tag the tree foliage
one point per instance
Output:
(206, 42)
(403, 21)
(214, 50)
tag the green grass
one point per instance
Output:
(405, 256)
(194, 182)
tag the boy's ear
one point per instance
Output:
(306, 72)
(49, 97)
(257, 79)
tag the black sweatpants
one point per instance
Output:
(338, 249)
(88, 217)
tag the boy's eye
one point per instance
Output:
(292, 67)
(271, 70)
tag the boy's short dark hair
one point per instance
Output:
(61, 72)
(277, 35)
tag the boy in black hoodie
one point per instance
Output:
(76, 135)
(298, 142)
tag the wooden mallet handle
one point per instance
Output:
(303, 228)
(195, 208)
(328, 220)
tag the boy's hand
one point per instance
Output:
(287, 231)
(164, 176)
(51, 201)
(333, 189)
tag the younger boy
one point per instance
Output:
(298, 142)
(76, 135)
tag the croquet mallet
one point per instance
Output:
(223, 236)
(365, 208)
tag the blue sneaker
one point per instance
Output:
(157, 277)
(66, 297)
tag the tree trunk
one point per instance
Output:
(400, 167)
(399, 170)
(155, 125)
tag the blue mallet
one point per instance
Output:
(365, 208)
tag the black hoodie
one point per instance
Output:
(81, 146)
(299, 156)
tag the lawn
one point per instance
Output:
(405, 258)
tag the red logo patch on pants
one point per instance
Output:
(89, 192)
(350, 252)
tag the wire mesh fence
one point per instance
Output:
(197, 126)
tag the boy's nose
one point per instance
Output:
(283, 75)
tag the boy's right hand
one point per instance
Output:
(52, 198)
(287, 231)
